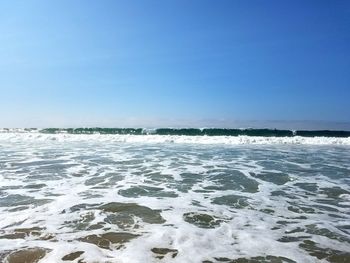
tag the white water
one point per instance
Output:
(189, 174)
(230, 140)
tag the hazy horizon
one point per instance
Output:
(225, 124)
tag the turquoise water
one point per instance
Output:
(81, 198)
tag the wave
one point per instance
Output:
(14, 137)
(196, 132)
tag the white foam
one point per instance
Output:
(178, 139)
(242, 233)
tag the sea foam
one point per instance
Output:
(179, 139)
(169, 198)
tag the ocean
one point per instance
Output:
(174, 195)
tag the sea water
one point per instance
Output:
(168, 198)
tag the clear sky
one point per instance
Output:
(184, 62)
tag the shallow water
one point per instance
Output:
(86, 199)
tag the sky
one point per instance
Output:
(183, 63)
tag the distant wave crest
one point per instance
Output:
(186, 135)
(189, 132)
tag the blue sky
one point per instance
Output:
(180, 63)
